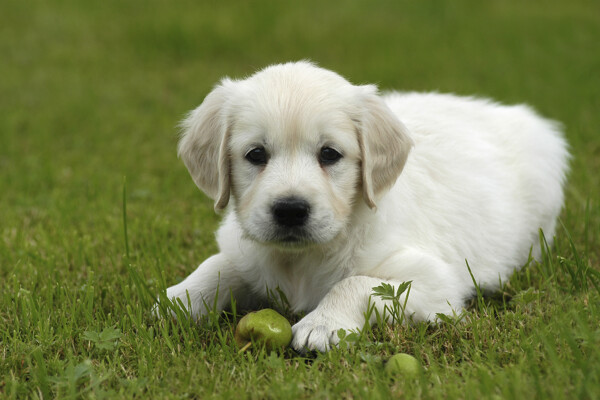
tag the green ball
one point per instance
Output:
(266, 326)
(404, 365)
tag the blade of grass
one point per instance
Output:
(125, 217)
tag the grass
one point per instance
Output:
(90, 94)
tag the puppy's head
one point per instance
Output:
(294, 147)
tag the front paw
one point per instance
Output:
(178, 302)
(318, 331)
(162, 309)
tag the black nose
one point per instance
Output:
(291, 211)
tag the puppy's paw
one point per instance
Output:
(318, 332)
(159, 313)
(156, 310)
(177, 299)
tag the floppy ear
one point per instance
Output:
(384, 142)
(203, 146)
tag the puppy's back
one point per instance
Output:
(484, 177)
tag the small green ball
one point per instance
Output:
(404, 365)
(266, 326)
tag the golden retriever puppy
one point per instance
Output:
(331, 189)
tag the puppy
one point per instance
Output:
(333, 189)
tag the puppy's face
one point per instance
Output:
(295, 166)
(295, 146)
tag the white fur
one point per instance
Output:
(458, 179)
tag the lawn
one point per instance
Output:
(97, 214)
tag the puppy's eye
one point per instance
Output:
(329, 156)
(257, 156)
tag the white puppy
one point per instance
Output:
(334, 189)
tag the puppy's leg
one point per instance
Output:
(434, 289)
(214, 278)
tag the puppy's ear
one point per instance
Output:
(203, 146)
(384, 142)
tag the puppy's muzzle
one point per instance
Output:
(291, 212)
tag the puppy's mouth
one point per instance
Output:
(290, 219)
(290, 227)
(294, 238)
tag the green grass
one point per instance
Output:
(91, 92)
